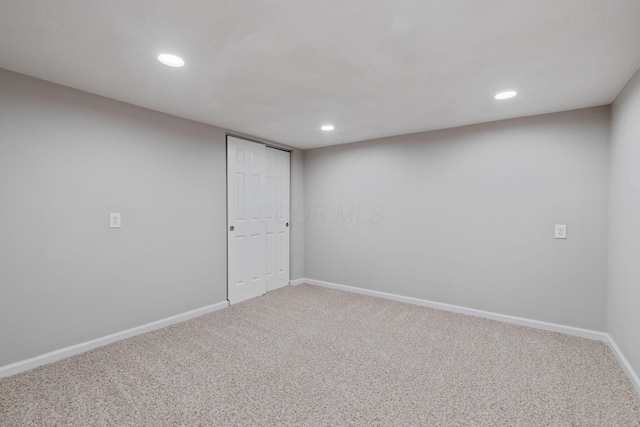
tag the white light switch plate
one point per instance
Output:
(114, 220)
(561, 231)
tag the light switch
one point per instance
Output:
(561, 231)
(114, 220)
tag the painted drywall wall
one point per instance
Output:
(466, 216)
(68, 159)
(624, 223)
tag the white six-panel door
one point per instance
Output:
(258, 219)
(277, 217)
(246, 239)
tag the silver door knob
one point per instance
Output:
(232, 228)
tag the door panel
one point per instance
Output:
(277, 217)
(246, 242)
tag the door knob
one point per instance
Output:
(286, 225)
(232, 228)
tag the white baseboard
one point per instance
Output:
(297, 282)
(569, 330)
(625, 363)
(25, 365)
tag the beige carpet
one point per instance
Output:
(312, 356)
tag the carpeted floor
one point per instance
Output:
(312, 356)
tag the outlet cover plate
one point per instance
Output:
(114, 220)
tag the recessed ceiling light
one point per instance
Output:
(170, 60)
(327, 127)
(506, 95)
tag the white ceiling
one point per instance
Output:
(280, 69)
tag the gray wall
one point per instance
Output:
(624, 223)
(67, 159)
(466, 216)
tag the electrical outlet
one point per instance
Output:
(114, 220)
(561, 231)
